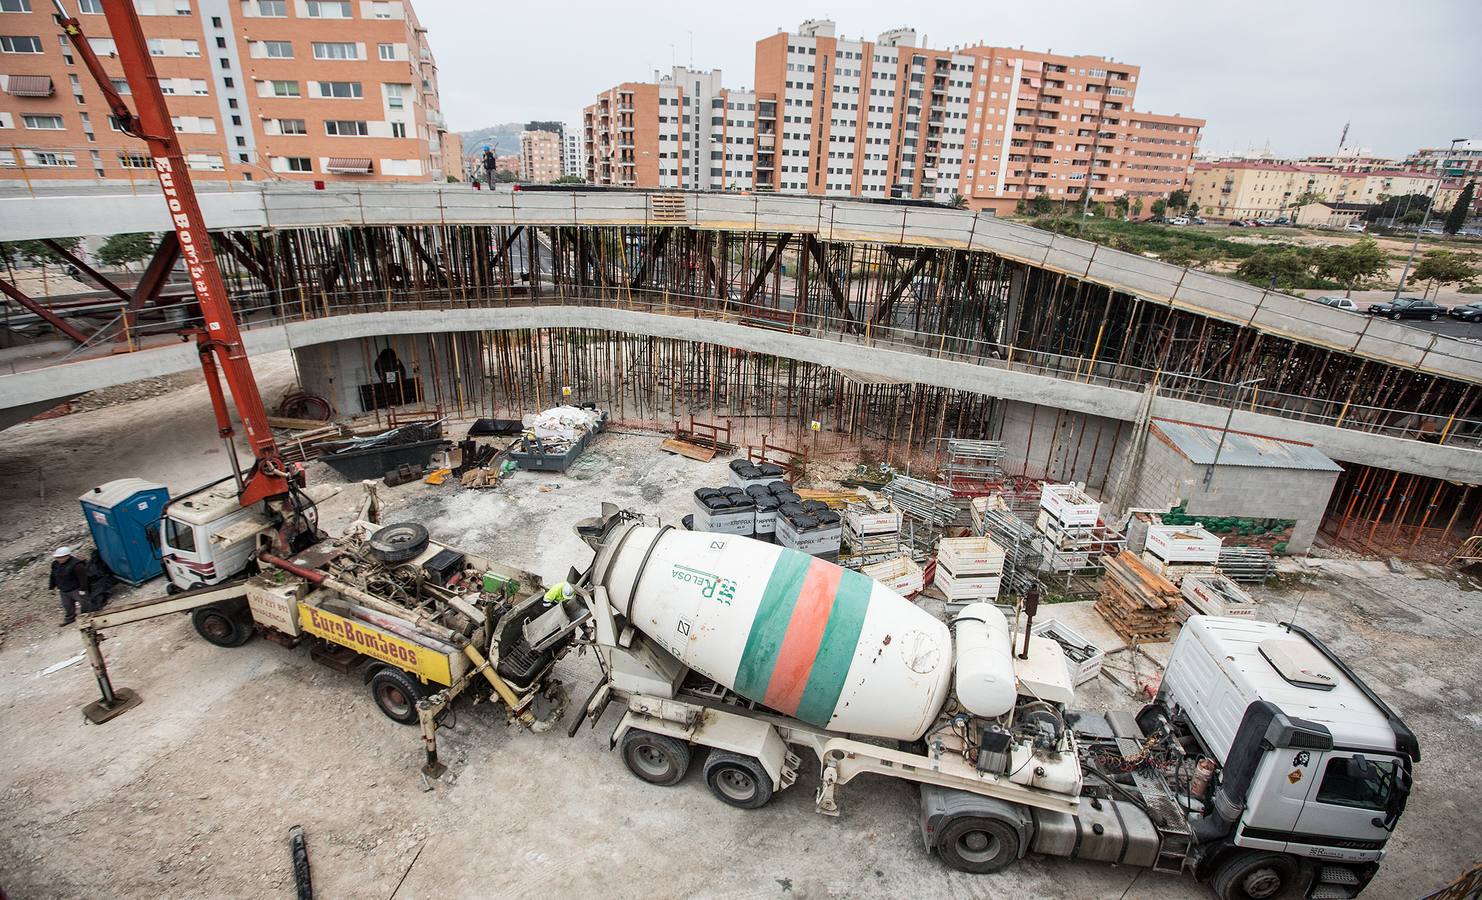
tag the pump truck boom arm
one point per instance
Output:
(218, 341)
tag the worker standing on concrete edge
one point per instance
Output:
(69, 578)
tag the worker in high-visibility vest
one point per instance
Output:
(559, 593)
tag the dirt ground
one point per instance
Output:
(192, 793)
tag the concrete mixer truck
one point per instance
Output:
(1264, 766)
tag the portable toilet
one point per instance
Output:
(124, 518)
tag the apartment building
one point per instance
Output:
(333, 90)
(540, 154)
(682, 131)
(1246, 189)
(996, 125)
(1463, 162)
(571, 156)
(887, 118)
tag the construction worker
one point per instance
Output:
(69, 578)
(559, 593)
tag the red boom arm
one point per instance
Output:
(220, 342)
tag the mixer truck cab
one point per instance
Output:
(1264, 766)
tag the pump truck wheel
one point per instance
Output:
(978, 845)
(737, 780)
(1257, 875)
(656, 758)
(226, 624)
(396, 694)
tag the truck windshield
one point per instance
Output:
(1343, 787)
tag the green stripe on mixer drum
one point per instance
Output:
(769, 626)
(836, 650)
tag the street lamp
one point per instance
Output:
(1239, 388)
(1430, 201)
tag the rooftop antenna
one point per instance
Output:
(1343, 138)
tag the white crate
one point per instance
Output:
(1216, 595)
(1070, 504)
(1080, 672)
(1183, 544)
(970, 556)
(965, 587)
(900, 574)
(866, 521)
(1176, 572)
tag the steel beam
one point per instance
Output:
(51, 318)
(92, 273)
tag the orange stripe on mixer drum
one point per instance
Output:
(804, 634)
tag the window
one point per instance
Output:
(91, 7)
(394, 96)
(136, 161)
(156, 46)
(199, 87)
(179, 536)
(20, 43)
(386, 51)
(328, 50)
(1344, 785)
(345, 128)
(292, 126)
(191, 48)
(329, 9)
(398, 129)
(342, 90)
(15, 5)
(285, 89)
(298, 164)
(272, 9)
(43, 122)
(221, 43)
(381, 10)
(277, 49)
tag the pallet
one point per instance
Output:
(1139, 604)
(688, 450)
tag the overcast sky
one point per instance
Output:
(1287, 72)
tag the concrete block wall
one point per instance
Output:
(1167, 478)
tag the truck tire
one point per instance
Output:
(396, 694)
(225, 624)
(399, 542)
(1257, 875)
(978, 845)
(737, 780)
(655, 758)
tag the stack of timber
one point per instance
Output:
(1138, 603)
(303, 443)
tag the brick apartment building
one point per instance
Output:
(886, 118)
(335, 90)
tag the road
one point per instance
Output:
(1445, 325)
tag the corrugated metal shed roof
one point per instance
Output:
(1198, 444)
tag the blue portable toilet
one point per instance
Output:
(124, 517)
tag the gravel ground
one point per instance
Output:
(192, 793)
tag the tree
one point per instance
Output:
(1041, 205)
(1098, 209)
(1119, 206)
(957, 202)
(570, 179)
(1463, 208)
(1178, 199)
(503, 176)
(1413, 217)
(1194, 209)
(1159, 207)
(1351, 264)
(1275, 266)
(37, 253)
(122, 249)
(1137, 208)
(1444, 267)
(1185, 254)
(1395, 207)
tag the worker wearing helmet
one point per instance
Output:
(69, 579)
(559, 593)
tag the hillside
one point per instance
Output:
(504, 139)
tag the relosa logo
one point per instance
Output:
(712, 587)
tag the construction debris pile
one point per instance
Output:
(1138, 603)
(554, 438)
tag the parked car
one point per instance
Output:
(1197, 220)
(1342, 303)
(1431, 230)
(1179, 220)
(1408, 308)
(1355, 226)
(1156, 220)
(1281, 221)
(1471, 312)
(1237, 223)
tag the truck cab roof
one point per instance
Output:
(1290, 668)
(207, 504)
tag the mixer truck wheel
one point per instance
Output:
(738, 780)
(1257, 876)
(656, 758)
(979, 846)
